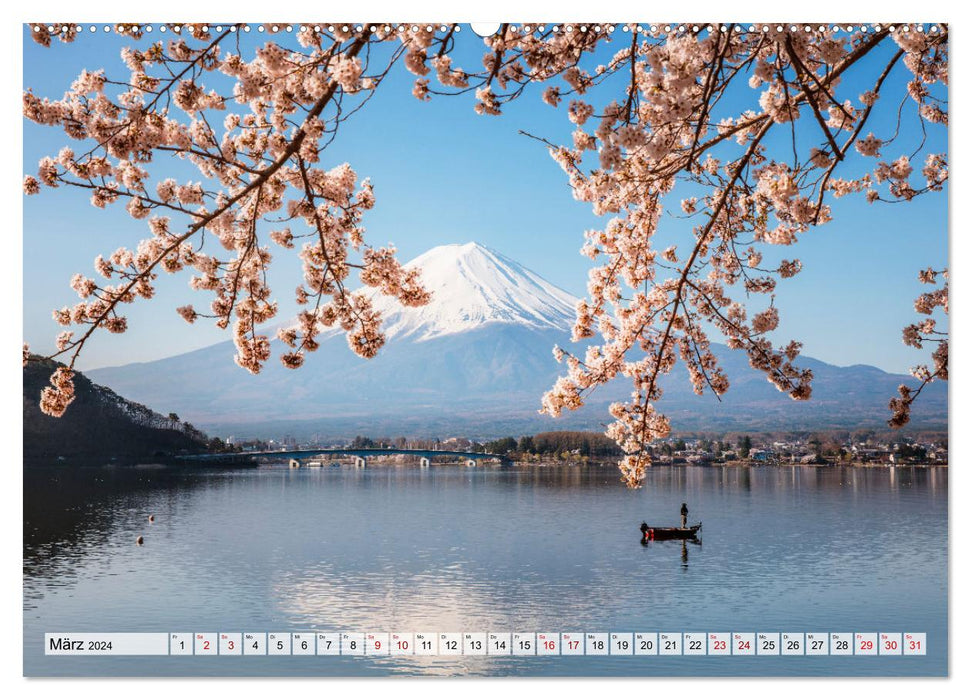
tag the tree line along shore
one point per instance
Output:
(819, 448)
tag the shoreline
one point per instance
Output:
(743, 465)
(530, 463)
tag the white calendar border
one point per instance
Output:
(11, 645)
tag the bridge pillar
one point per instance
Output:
(425, 462)
(295, 464)
(360, 462)
(471, 463)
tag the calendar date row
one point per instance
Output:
(488, 644)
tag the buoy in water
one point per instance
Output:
(151, 518)
(140, 540)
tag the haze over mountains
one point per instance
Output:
(476, 361)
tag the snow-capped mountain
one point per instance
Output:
(476, 360)
(484, 339)
(471, 286)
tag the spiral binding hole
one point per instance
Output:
(516, 29)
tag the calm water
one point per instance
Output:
(486, 549)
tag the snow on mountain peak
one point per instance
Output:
(473, 285)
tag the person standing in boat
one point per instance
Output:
(684, 515)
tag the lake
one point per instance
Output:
(515, 549)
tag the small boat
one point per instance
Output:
(649, 533)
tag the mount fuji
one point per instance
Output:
(473, 286)
(476, 360)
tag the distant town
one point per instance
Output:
(846, 448)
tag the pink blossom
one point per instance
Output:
(187, 313)
(870, 146)
(55, 399)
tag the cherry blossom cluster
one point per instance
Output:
(658, 145)
(673, 126)
(916, 335)
(255, 128)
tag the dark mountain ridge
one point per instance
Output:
(99, 426)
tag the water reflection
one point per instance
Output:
(440, 549)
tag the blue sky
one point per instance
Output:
(444, 174)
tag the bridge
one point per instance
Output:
(297, 458)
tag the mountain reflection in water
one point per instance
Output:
(455, 549)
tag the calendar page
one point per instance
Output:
(527, 348)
